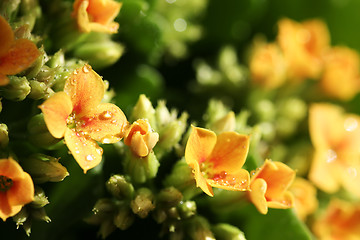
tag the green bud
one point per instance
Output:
(224, 124)
(187, 209)
(285, 126)
(27, 227)
(104, 206)
(43, 168)
(265, 110)
(32, 12)
(4, 135)
(124, 218)
(57, 60)
(169, 197)
(206, 75)
(99, 54)
(227, 57)
(106, 228)
(120, 187)
(141, 169)
(40, 199)
(163, 115)
(215, 110)
(17, 89)
(40, 214)
(293, 108)
(143, 202)
(241, 122)
(21, 217)
(225, 231)
(8, 7)
(199, 229)
(144, 109)
(39, 90)
(38, 64)
(39, 133)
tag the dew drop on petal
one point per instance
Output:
(105, 115)
(89, 157)
(331, 156)
(350, 124)
(85, 69)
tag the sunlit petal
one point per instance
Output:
(86, 151)
(7, 36)
(201, 180)
(234, 182)
(22, 191)
(257, 195)
(56, 110)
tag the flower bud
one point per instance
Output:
(224, 124)
(4, 135)
(99, 54)
(141, 138)
(124, 218)
(215, 110)
(58, 59)
(199, 229)
(40, 199)
(39, 90)
(265, 110)
(40, 214)
(143, 109)
(225, 231)
(293, 108)
(143, 202)
(17, 89)
(120, 187)
(106, 228)
(187, 209)
(7, 7)
(169, 197)
(43, 168)
(21, 217)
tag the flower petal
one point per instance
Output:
(86, 90)
(11, 169)
(56, 110)
(22, 191)
(6, 210)
(7, 36)
(4, 80)
(201, 181)
(21, 55)
(86, 151)
(287, 201)
(233, 182)
(257, 195)
(229, 153)
(199, 146)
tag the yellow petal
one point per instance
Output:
(229, 153)
(199, 145)
(7, 36)
(21, 55)
(22, 191)
(11, 169)
(257, 195)
(106, 123)
(233, 182)
(6, 210)
(86, 90)
(287, 201)
(201, 181)
(86, 151)
(56, 110)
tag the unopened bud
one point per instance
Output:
(144, 109)
(4, 135)
(58, 59)
(199, 229)
(143, 202)
(21, 217)
(265, 110)
(169, 197)
(39, 90)
(124, 218)
(225, 231)
(40, 214)
(141, 169)
(17, 89)
(294, 108)
(187, 209)
(224, 124)
(106, 228)
(120, 187)
(43, 168)
(7, 7)
(216, 110)
(40, 199)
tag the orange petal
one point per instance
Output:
(11, 169)
(257, 195)
(22, 191)
(199, 146)
(56, 110)
(278, 177)
(106, 123)
(229, 153)
(7, 36)
(232, 182)
(103, 11)
(6, 210)
(201, 181)
(20, 56)
(86, 90)
(4, 80)
(86, 151)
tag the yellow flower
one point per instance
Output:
(96, 15)
(341, 221)
(141, 138)
(303, 45)
(16, 55)
(269, 186)
(16, 188)
(305, 197)
(267, 65)
(341, 78)
(77, 115)
(336, 139)
(217, 160)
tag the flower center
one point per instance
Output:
(70, 121)
(5, 183)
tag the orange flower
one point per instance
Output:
(341, 77)
(269, 186)
(96, 15)
(303, 45)
(217, 160)
(305, 197)
(16, 188)
(141, 137)
(77, 115)
(336, 139)
(16, 55)
(267, 65)
(341, 221)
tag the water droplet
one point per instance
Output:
(350, 124)
(75, 72)
(105, 140)
(105, 115)
(222, 174)
(331, 156)
(85, 69)
(89, 157)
